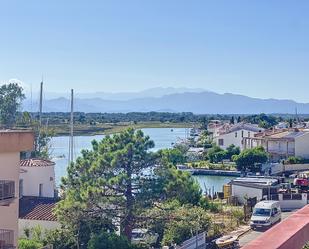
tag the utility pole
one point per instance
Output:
(71, 157)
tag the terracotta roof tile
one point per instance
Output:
(36, 162)
(37, 208)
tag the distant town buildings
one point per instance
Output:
(228, 134)
(279, 141)
(281, 144)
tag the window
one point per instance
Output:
(235, 134)
(221, 142)
(249, 134)
(21, 188)
(242, 133)
(40, 189)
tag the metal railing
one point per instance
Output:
(196, 242)
(7, 190)
(6, 239)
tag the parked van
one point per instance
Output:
(265, 214)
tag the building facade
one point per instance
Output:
(37, 178)
(281, 144)
(38, 196)
(236, 134)
(12, 142)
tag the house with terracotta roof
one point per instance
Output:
(37, 178)
(37, 211)
(38, 197)
(235, 134)
(281, 144)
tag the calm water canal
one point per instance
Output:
(163, 138)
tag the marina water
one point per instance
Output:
(162, 137)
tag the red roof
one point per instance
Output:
(36, 162)
(291, 233)
(37, 208)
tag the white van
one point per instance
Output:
(265, 214)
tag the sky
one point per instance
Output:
(259, 48)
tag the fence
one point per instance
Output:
(47, 247)
(196, 242)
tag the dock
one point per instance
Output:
(210, 172)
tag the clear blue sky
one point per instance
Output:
(258, 48)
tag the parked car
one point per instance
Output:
(265, 214)
(144, 237)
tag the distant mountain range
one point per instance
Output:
(197, 101)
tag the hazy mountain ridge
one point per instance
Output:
(196, 102)
(151, 92)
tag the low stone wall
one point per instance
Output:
(281, 168)
(290, 201)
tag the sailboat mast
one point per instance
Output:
(41, 103)
(71, 127)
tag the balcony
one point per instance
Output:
(6, 239)
(7, 192)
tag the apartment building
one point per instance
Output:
(236, 133)
(12, 142)
(281, 144)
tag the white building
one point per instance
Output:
(37, 178)
(251, 187)
(215, 128)
(235, 135)
(282, 144)
(37, 195)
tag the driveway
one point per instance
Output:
(252, 235)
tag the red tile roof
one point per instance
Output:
(36, 162)
(37, 208)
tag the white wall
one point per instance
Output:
(302, 146)
(230, 138)
(281, 147)
(241, 192)
(34, 176)
(9, 170)
(48, 225)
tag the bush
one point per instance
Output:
(206, 204)
(296, 160)
(249, 159)
(216, 154)
(109, 241)
(29, 244)
(60, 239)
(238, 215)
(186, 222)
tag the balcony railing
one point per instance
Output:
(7, 192)
(6, 239)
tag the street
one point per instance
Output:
(251, 235)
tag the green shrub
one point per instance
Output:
(29, 244)
(109, 241)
